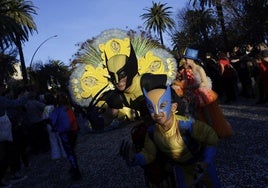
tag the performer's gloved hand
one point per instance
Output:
(127, 152)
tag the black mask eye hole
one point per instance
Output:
(121, 75)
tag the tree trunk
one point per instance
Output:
(161, 37)
(22, 62)
(222, 23)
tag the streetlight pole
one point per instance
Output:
(31, 62)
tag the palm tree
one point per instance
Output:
(158, 18)
(15, 26)
(197, 28)
(219, 7)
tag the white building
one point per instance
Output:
(18, 74)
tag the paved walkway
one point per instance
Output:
(241, 160)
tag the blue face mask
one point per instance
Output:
(157, 108)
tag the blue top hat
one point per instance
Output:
(191, 54)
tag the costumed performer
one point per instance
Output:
(124, 63)
(201, 99)
(190, 165)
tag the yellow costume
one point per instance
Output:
(96, 69)
(171, 143)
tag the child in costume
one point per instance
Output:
(165, 137)
(195, 88)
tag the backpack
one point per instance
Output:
(157, 171)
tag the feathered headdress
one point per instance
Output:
(90, 77)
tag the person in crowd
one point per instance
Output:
(245, 76)
(56, 148)
(19, 145)
(259, 81)
(244, 63)
(39, 141)
(251, 50)
(235, 60)
(202, 100)
(213, 71)
(6, 143)
(262, 80)
(229, 77)
(63, 121)
(261, 46)
(235, 56)
(167, 138)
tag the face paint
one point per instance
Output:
(159, 101)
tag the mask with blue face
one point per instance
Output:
(165, 98)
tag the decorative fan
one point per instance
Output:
(90, 77)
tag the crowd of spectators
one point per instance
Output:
(239, 73)
(31, 132)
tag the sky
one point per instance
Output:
(75, 21)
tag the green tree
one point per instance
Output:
(253, 20)
(219, 7)
(15, 26)
(41, 73)
(6, 67)
(158, 18)
(196, 29)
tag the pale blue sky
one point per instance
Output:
(75, 21)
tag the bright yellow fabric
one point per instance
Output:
(171, 143)
(134, 91)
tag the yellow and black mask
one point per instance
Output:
(121, 66)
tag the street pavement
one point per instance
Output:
(241, 160)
